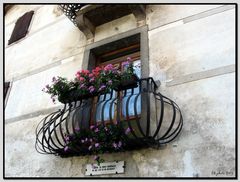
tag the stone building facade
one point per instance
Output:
(189, 48)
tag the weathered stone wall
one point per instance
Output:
(192, 52)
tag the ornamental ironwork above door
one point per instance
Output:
(87, 17)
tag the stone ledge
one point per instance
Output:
(201, 75)
(208, 13)
(32, 115)
(43, 68)
(197, 16)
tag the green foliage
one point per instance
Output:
(98, 139)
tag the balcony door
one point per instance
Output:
(106, 106)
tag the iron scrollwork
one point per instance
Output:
(70, 10)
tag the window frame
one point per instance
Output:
(89, 57)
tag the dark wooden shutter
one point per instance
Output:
(21, 27)
(6, 87)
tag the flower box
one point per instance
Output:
(132, 82)
(91, 83)
(98, 139)
(75, 95)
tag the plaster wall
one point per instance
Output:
(192, 52)
(199, 45)
(32, 53)
(29, 89)
(205, 145)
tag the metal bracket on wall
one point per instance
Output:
(158, 83)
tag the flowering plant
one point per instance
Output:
(128, 70)
(110, 75)
(98, 139)
(128, 79)
(90, 83)
(59, 88)
(99, 80)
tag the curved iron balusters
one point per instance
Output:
(158, 120)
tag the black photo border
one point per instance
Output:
(159, 178)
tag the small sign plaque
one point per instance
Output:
(105, 168)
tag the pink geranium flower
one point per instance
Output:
(91, 75)
(102, 88)
(129, 58)
(91, 89)
(92, 79)
(85, 72)
(119, 144)
(109, 67)
(127, 130)
(77, 129)
(126, 63)
(110, 82)
(82, 79)
(115, 145)
(66, 148)
(82, 86)
(96, 157)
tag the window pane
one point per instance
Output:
(104, 105)
(137, 68)
(130, 105)
(132, 97)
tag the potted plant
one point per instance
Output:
(60, 89)
(98, 139)
(87, 84)
(90, 83)
(128, 79)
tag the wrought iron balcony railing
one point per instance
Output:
(70, 10)
(152, 118)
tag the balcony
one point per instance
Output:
(87, 17)
(150, 118)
